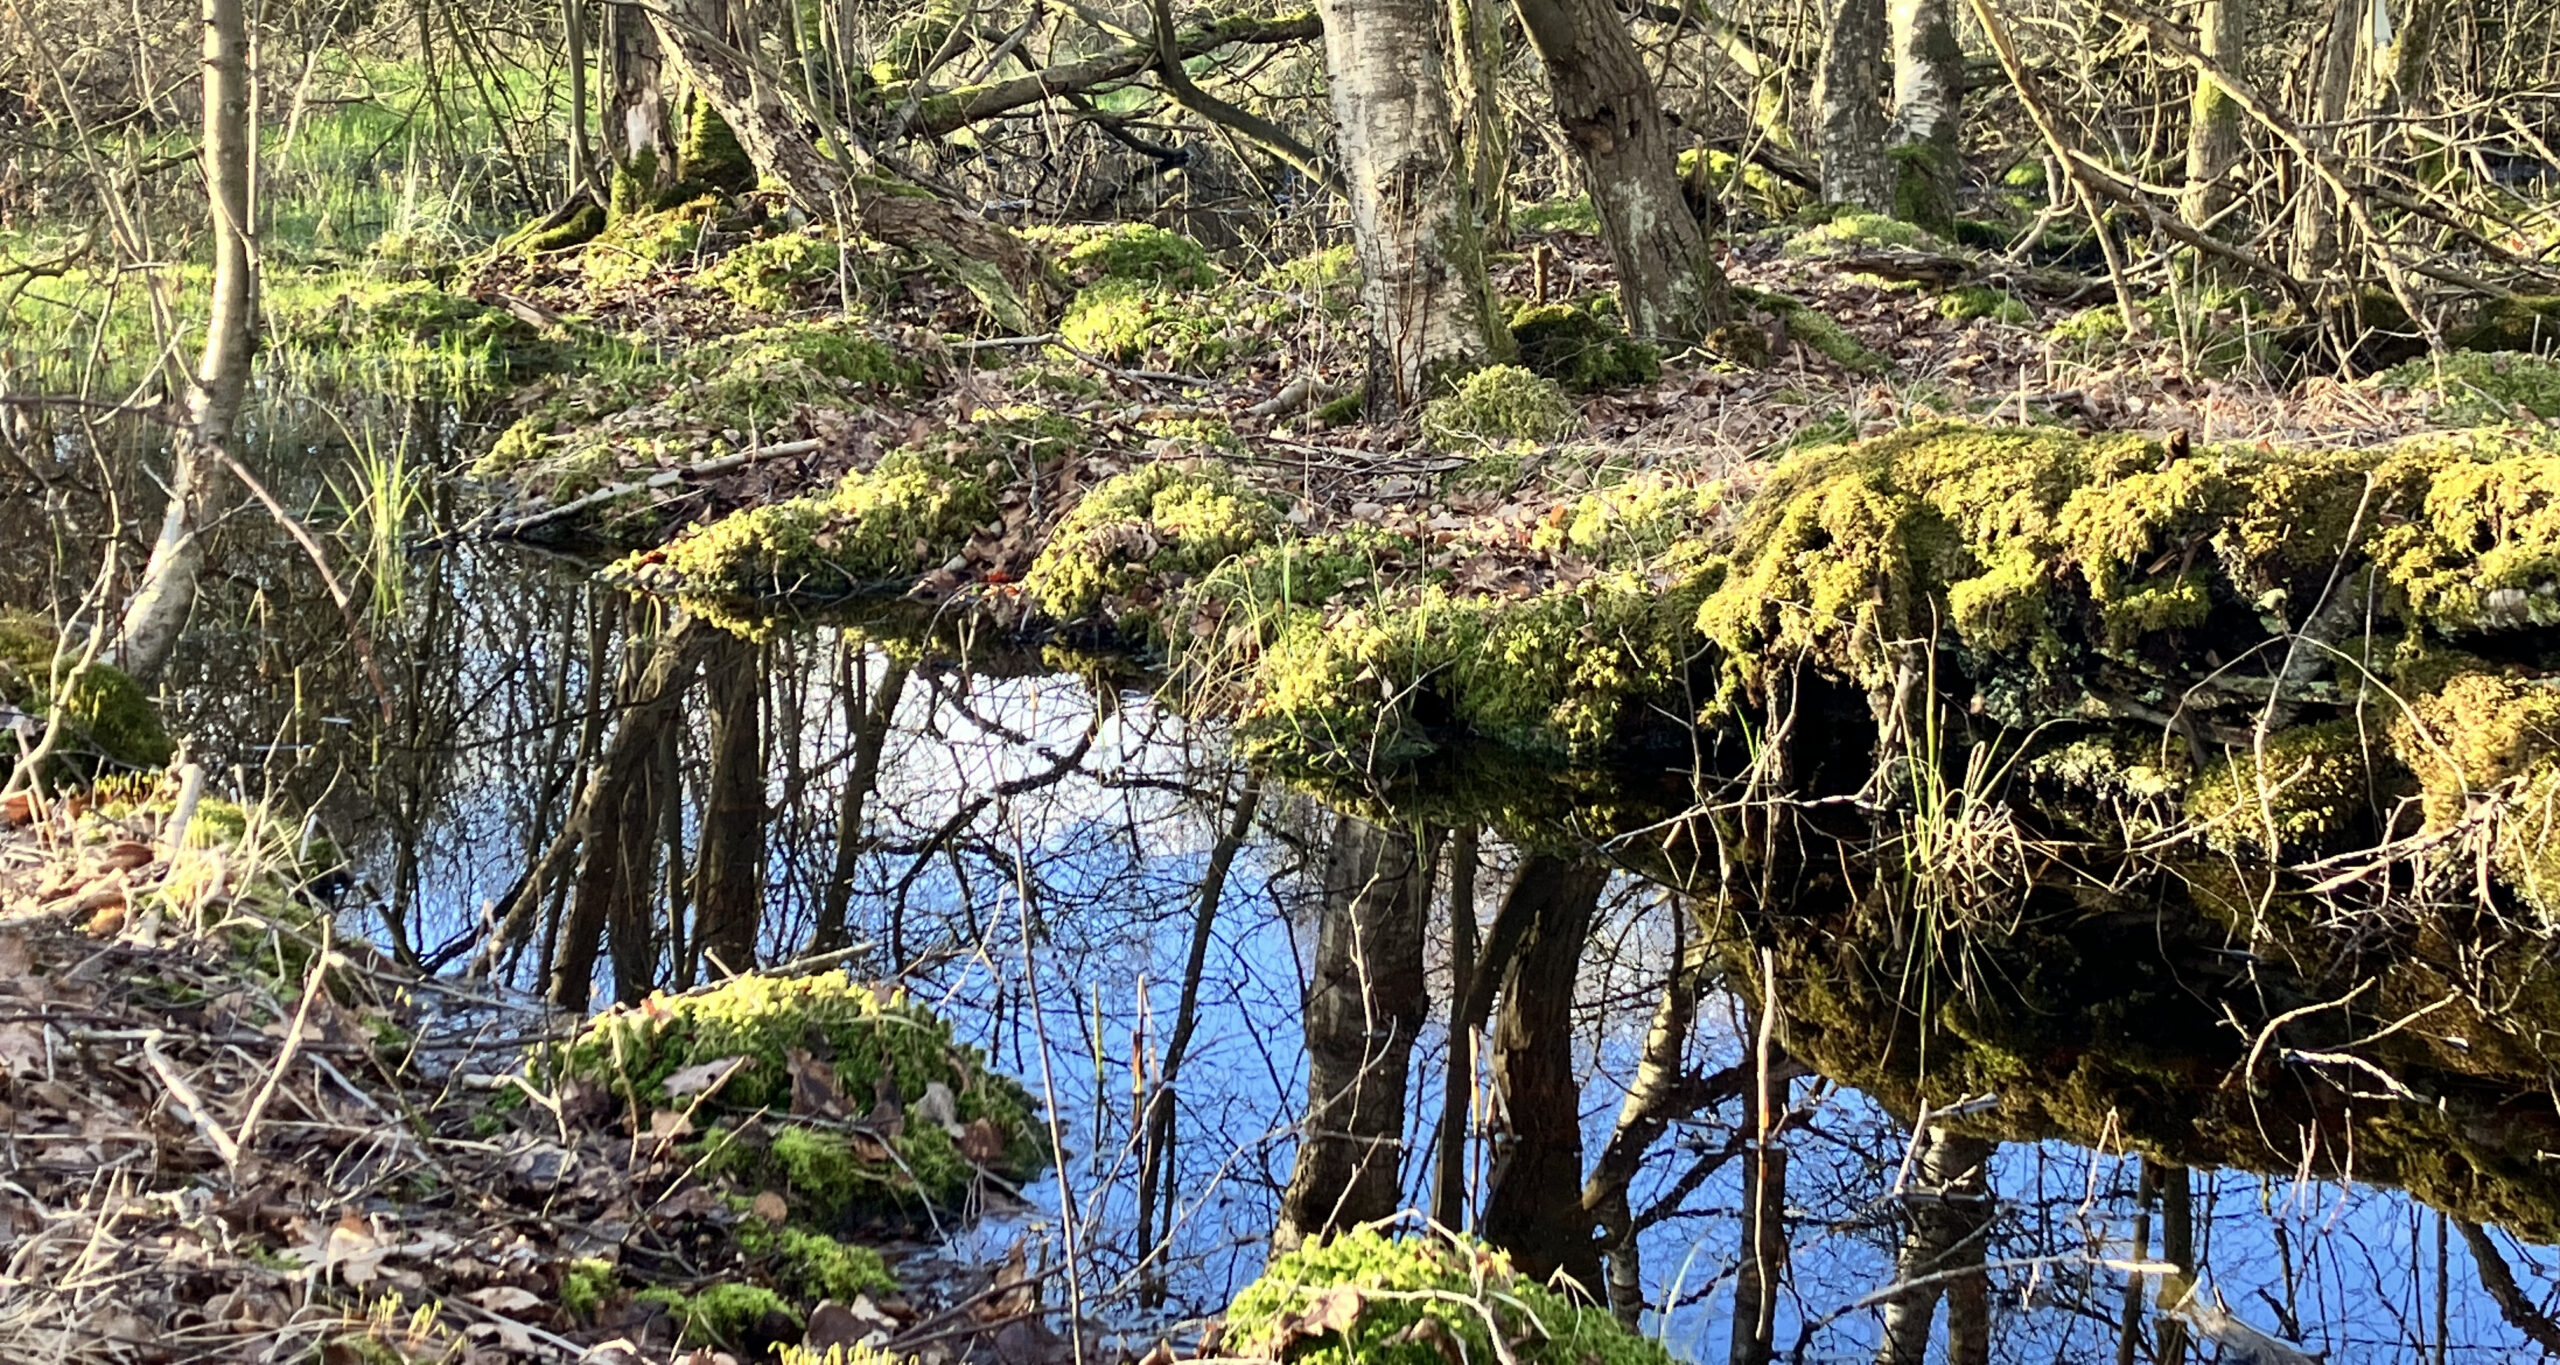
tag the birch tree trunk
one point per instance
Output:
(158, 609)
(2213, 120)
(1928, 97)
(1363, 1007)
(1669, 285)
(1431, 309)
(1949, 1203)
(1484, 136)
(1849, 120)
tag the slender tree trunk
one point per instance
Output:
(2315, 232)
(1533, 1198)
(1458, 1089)
(582, 178)
(1484, 136)
(1431, 310)
(871, 727)
(729, 869)
(1849, 120)
(1762, 1266)
(1928, 98)
(1949, 1204)
(617, 818)
(1364, 1005)
(1669, 285)
(158, 609)
(2213, 120)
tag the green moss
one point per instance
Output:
(634, 247)
(1924, 182)
(762, 275)
(1423, 1300)
(2479, 388)
(2477, 544)
(1576, 348)
(1711, 174)
(899, 518)
(585, 1285)
(1341, 411)
(810, 1266)
(633, 185)
(1574, 214)
(406, 337)
(1130, 320)
(710, 153)
(721, 1315)
(1976, 301)
(861, 1035)
(2483, 738)
(1818, 332)
(1145, 531)
(1329, 278)
(1853, 232)
(2315, 786)
(1499, 405)
(1635, 522)
(1141, 252)
(102, 708)
(2529, 324)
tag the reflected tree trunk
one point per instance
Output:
(1661, 1091)
(2516, 1306)
(870, 719)
(1533, 1197)
(2178, 1248)
(616, 822)
(1949, 1205)
(1761, 1266)
(728, 897)
(1155, 1155)
(1364, 1005)
(1457, 1094)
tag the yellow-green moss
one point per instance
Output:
(1130, 320)
(579, 228)
(2315, 786)
(810, 1266)
(1137, 251)
(103, 710)
(1146, 530)
(877, 526)
(858, 1032)
(632, 248)
(1712, 173)
(1499, 405)
(721, 1315)
(1817, 330)
(763, 274)
(1632, 523)
(585, 1284)
(1390, 1287)
(1577, 348)
(2479, 388)
(709, 151)
(1573, 214)
(1852, 232)
(405, 337)
(2475, 542)
(2484, 735)
(1976, 301)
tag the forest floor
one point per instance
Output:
(234, 1134)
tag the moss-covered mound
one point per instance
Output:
(104, 712)
(408, 337)
(1145, 531)
(1851, 232)
(1499, 405)
(840, 1098)
(748, 389)
(2485, 746)
(1366, 1298)
(768, 274)
(878, 527)
(1581, 350)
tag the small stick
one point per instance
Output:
(508, 530)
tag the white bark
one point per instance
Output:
(1850, 120)
(1928, 92)
(1431, 310)
(159, 605)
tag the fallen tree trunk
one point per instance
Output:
(953, 110)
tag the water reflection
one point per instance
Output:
(1753, 1103)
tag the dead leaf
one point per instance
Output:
(667, 1125)
(981, 1143)
(703, 1079)
(505, 1298)
(771, 1207)
(814, 1091)
(833, 1324)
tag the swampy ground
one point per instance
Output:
(1925, 828)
